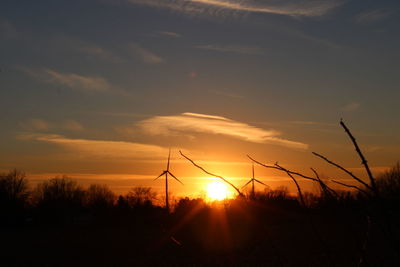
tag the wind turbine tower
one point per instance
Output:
(166, 172)
(252, 180)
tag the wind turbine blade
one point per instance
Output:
(258, 181)
(247, 183)
(169, 157)
(253, 169)
(160, 175)
(175, 177)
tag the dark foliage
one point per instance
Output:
(13, 196)
(65, 224)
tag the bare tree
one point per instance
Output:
(99, 197)
(13, 187)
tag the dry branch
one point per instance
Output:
(209, 173)
(363, 160)
(343, 169)
(351, 186)
(295, 173)
(325, 188)
(283, 169)
(295, 181)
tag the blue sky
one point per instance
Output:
(106, 87)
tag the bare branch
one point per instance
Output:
(345, 170)
(323, 185)
(283, 169)
(209, 173)
(363, 160)
(352, 186)
(297, 184)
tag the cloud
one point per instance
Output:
(145, 55)
(35, 125)
(240, 49)
(71, 80)
(87, 48)
(100, 149)
(306, 8)
(170, 34)
(373, 15)
(351, 107)
(202, 123)
(42, 125)
(98, 52)
(72, 125)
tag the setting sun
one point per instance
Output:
(217, 190)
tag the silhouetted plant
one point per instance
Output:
(13, 194)
(140, 196)
(13, 187)
(59, 198)
(388, 183)
(99, 197)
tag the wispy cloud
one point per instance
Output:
(35, 125)
(98, 52)
(307, 8)
(240, 49)
(373, 15)
(145, 55)
(202, 123)
(87, 48)
(170, 34)
(100, 149)
(71, 80)
(43, 125)
(351, 107)
(72, 125)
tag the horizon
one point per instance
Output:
(100, 90)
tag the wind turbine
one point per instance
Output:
(252, 180)
(166, 172)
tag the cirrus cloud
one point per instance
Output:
(100, 149)
(209, 124)
(306, 8)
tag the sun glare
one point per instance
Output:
(217, 190)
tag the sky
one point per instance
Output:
(99, 90)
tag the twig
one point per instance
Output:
(283, 169)
(363, 160)
(345, 170)
(323, 185)
(295, 181)
(209, 173)
(352, 186)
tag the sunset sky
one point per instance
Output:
(99, 90)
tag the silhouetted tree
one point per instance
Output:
(99, 197)
(13, 194)
(388, 183)
(140, 196)
(59, 198)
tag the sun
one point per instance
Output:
(217, 190)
